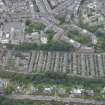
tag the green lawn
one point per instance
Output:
(34, 27)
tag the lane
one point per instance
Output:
(59, 99)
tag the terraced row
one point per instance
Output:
(72, 63)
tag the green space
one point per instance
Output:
(50, 33)
(74, 34)
(61, 19)
(50, 46)
(100, 46)
(34, 27)
(97, 29)
(54, 78)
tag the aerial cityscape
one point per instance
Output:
(52, 52)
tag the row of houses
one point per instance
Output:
(74, 92)
(82, 64)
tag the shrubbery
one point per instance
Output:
(55, 78)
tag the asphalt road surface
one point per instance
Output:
(52, 98)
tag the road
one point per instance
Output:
(59, 99)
